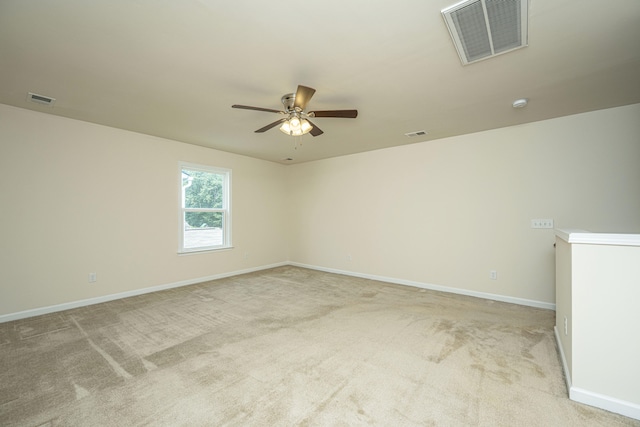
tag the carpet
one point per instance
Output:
(289, 346)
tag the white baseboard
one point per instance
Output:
(81, 303)
(611, 404)
(608, 403)
(484, 295)
(90, 301)
(563, 358)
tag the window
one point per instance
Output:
(205, 210)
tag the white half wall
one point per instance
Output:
(447, 212)
(606, 316)
(79, 198)
(597, 318)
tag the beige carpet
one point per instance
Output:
(289, 346)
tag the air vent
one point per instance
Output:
(416, 133)
(40, 99)
(481, 29)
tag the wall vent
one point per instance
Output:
(481, 29)
(416, 133)
(41, 99)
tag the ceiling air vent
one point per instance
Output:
(40, 99)
(481, 29)
(417, 133)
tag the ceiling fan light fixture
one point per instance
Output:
(296, 126)
(305, 126)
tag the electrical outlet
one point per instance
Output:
(566, 326)
(493, 275)
(246, 255)
(541, 223)
(93, 277)
(348, 257)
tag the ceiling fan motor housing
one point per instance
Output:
(288, 101)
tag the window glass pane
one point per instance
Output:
(202, 189)
(203, 229)
(205, 208)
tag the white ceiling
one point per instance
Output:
(174, 68)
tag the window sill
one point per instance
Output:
(204, 251)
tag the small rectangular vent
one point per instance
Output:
(481, 29)
(417, 133)
(40, 99)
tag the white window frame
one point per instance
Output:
(225, 210)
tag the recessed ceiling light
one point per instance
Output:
(520, 103)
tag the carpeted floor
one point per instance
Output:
(289, 346)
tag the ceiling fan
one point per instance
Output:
(297, 122)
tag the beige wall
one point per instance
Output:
(80, 198)
(447, 212)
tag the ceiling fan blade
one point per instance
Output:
(269, 126)
(303, 95)
(347, 114)
(246, 107)
(315, 131)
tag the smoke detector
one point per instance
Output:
(482, 29)
(520, 103)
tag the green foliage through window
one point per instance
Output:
(203, 190)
